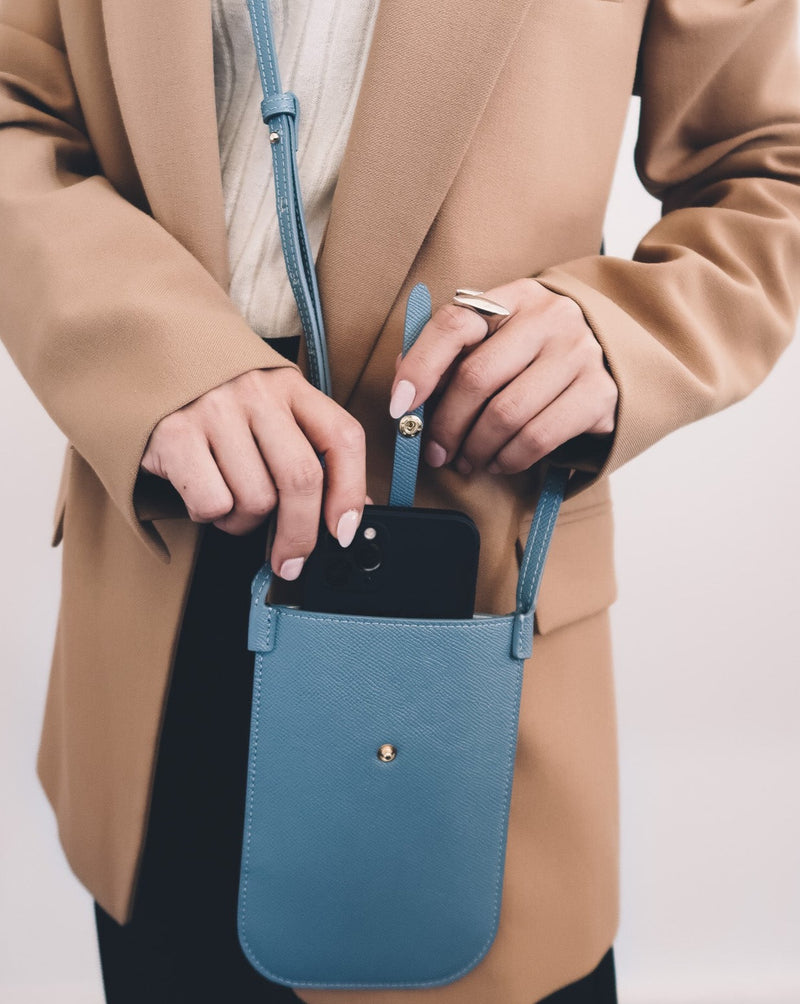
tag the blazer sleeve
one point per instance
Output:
(112, 322)
(698, 317)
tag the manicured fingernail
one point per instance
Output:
(463, 466)
(291, 568)
(494, 467)
(404, 394)
(435, 453)
(347, 526)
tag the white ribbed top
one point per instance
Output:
(322, 50)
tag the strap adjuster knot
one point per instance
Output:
(280, 104)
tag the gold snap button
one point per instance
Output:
(274, 137)
(410, 425)
(387, 753)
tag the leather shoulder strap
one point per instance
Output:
(533, 557)
(281, 112)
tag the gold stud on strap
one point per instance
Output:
(410, 426)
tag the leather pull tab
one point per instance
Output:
(409, 427)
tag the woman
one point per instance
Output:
(479, 153)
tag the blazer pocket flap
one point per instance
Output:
(579, 578)
(61, 498)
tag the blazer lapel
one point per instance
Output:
(428, 77)
(429, 73)
(162, 64)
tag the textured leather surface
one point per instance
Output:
(357, 872)
(280, 111)
(406, 448)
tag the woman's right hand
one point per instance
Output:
(249, 445)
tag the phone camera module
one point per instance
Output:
(367, 555)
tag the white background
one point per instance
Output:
(708, 677)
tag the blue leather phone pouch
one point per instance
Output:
(381, 760)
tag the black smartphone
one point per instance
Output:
(403, 562)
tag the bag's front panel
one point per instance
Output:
(380, 774)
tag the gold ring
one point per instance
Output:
(475, 300)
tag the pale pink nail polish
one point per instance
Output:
(347, 526)
(435, 453)
(404, 394)
(291, 568)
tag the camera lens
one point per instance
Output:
(367, 555)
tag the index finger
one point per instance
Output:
(444, 337)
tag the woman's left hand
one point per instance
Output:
(506, 401)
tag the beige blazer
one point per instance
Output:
(482, 149)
